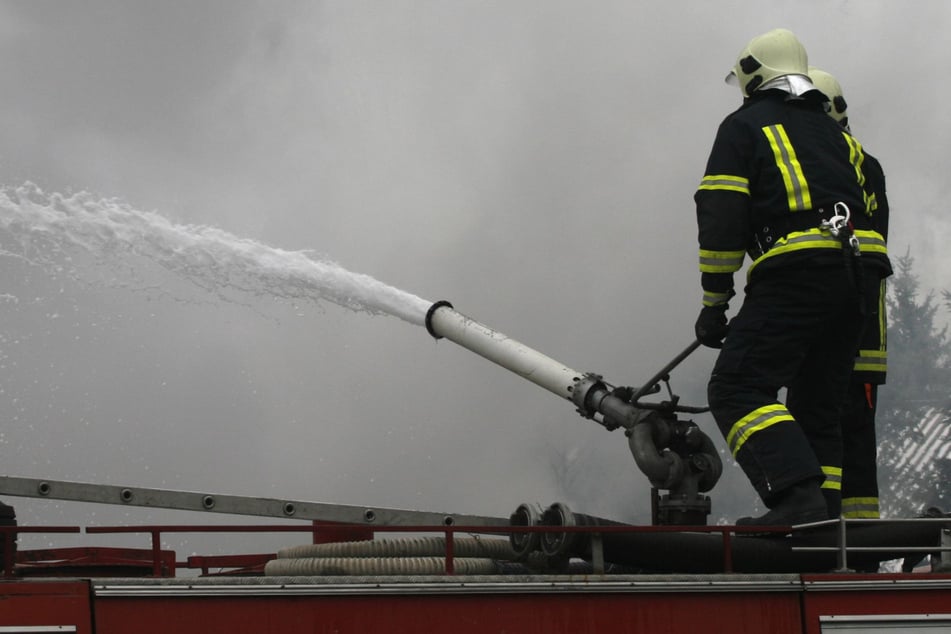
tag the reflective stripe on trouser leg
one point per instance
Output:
(767, 443)
(833, 479)
(791, 319)
(860, 508)
(832, 489)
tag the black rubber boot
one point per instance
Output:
(802, 503)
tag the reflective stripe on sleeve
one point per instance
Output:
(711, 298)
(721, 261)
(725, 182)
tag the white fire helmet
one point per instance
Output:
(773, 54)
(829, 86)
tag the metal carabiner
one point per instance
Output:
(839, 221)
(854, 244)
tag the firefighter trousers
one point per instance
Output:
(851, 479)
(860, 452)
(798, 328)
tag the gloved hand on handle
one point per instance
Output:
(712, 327)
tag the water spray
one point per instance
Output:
(45, 230)
(48, 230)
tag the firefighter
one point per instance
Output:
(859, 492)
(784, 184)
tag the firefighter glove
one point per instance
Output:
(711, 326)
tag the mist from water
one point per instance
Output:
(49, 229)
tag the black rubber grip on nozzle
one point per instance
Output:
(429, 317)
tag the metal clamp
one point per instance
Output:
(839, 221)
(838, 226)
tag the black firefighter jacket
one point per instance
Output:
(777, 169)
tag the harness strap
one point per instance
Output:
(836, 221)
(765, 236)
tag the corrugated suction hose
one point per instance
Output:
(408, 556)
(368, 566)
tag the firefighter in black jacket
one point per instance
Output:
(785, 184)
(859, 493)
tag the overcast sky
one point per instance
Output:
(531, 161)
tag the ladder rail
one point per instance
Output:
(235, 504)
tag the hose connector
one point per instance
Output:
(429, 317)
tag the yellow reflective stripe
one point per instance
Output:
(872, 361)
(860, 507)
(833, 479)
(757, 420)
(857, 158)
(797, 190)
(882, 321)
(726, 182)
(871, 241)
(720, 261)
(798, 241)
(715, 299)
